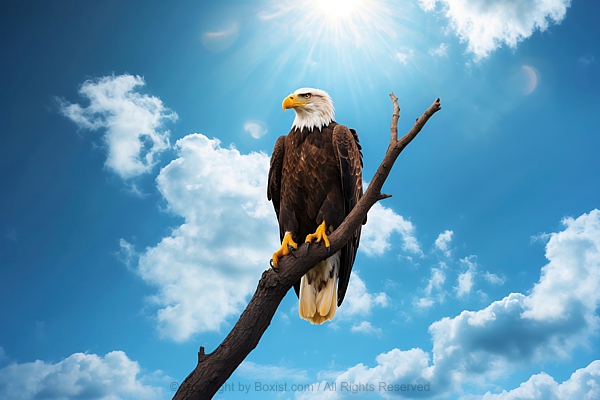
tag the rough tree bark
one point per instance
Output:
(215, 368)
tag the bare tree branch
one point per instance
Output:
(215, 368)
(395, 117)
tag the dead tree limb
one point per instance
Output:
(215, 368)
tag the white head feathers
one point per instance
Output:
(315, 109)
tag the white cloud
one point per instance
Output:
(358, 301)
(256, 129)
(209, 264)
(366, 328)
(423, 303)
(583, 384)
(438, 277)
(137, 192)
(381, 223)
(88, 376)
(465, 283)
(127, 254)
(569, 282)
(205, 269)
(493, 278)
(442, 242)
(465, 279)
(403, 57)
(440, 51)
(428, 5)
(133, 122)
(523, 328)
(488, 24)
(393, 367)
(519, 330)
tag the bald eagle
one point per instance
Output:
(315, 180)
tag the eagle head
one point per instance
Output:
(314, 108)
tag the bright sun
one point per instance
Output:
(337, 9)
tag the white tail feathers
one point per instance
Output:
(318, 291)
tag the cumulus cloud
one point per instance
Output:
(381, 223)
(407, 367)
(557, 316)
(442, 243)
(485, 25)
(208, 265)
(88, 376)
(205, 269)
(569, 282)
(133, 123)
(583, 384)
(358, 301)
(256, 129)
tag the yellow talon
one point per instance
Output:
(284, 250)
(319, 235)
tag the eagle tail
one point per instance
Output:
(318, 291)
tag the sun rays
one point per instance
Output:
(336, 10)
(342, 39)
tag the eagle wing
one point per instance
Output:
(348, 152)
(274, 182)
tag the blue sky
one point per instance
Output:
(134, 225)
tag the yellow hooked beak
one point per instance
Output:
(292, 101)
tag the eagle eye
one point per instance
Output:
(306, 95)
